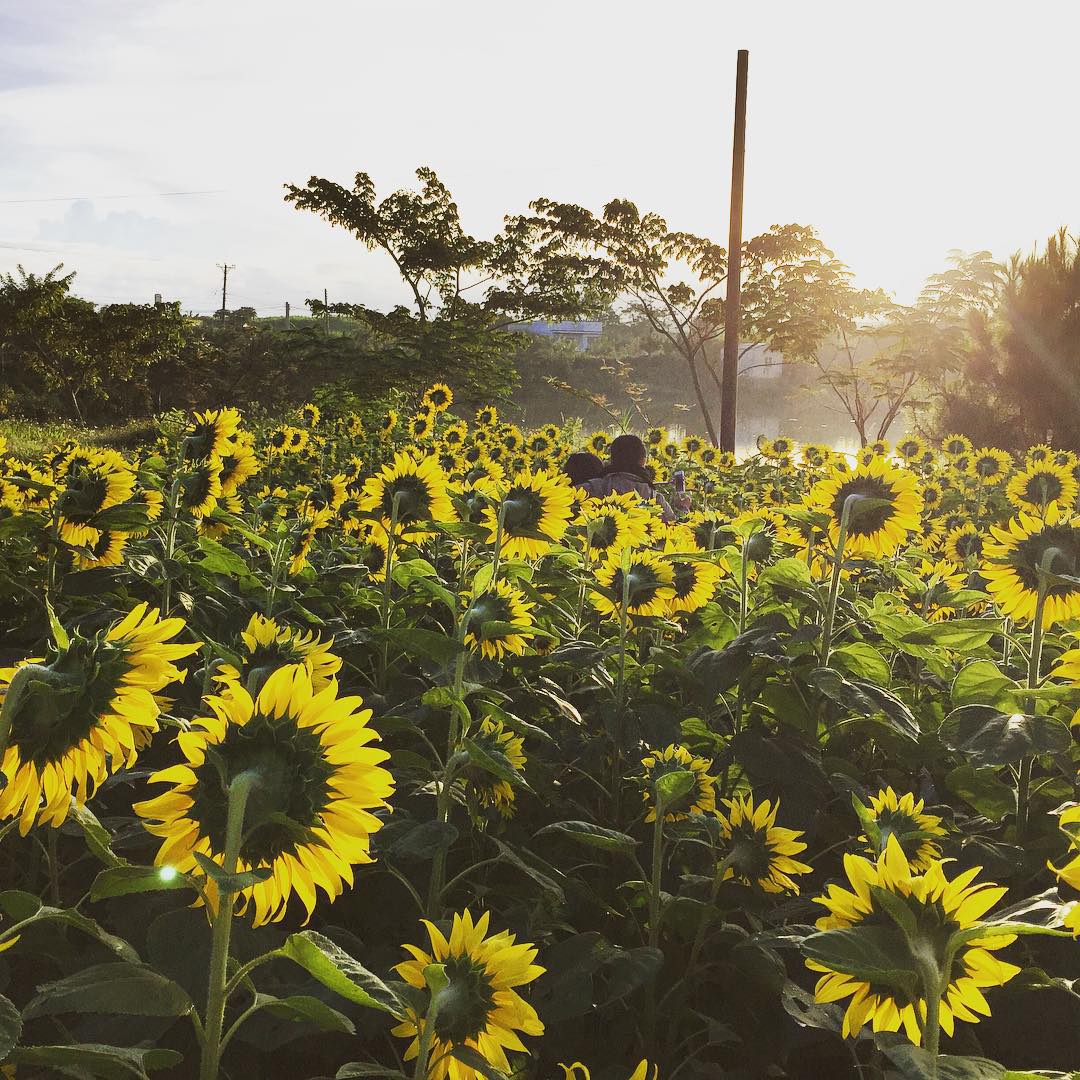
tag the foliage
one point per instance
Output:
(1021, 370)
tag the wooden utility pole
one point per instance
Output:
(326, 310)
(288, 312)
(729, 383)
(224, 268)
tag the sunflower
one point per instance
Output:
(936, 581)
(655, 437)
(1040, 484)
(694, 583)
(511, 439)
(538, 444)
(991, 466)
(418, 488)
(643, 577)
(955, 446)
(902, 817)
(304, 537)
(611, 526)
(107, 550)
(504, 746)
(78, 716)
(1069, 822)
(200, 487)
(932, 493)
(598, 442)
(758, 851)
(482, 1009)
(420, 425)
(236, 467)
(487, 416)
(711, 529)
(354, 426)
(1015, 557)
(499, 619)
(309, 415)
(692, 445)
(882, 527)
(938, 907)
(816, 455)
(910, 449)
(700, 799)
(387, 422)
(1038, 453)
(90, 487)
(309, 816)
(438, 397)
(964, 544)
(278, 440)
(577, 1071)
(536, 510)
(268, 645)
(298, 440)
(211, 434)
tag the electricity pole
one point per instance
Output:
(730, 375)
(326, 311)
(224, 268)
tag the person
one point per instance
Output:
(626, 471)
(581, 467)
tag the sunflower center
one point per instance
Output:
(195, 487)
(522, 511)
(284, 804)
(60, 713)
(603, 532)
(643, 585)
(871, 519)
(685, 580)
(749, 852)
(1029, 554)
(1043, 488)
(413, 498)
(467, 1002)
(489, 607)
(83, 497)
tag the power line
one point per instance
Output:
(99, 198)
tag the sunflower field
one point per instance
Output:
(372, 747)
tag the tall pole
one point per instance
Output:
(729, 383)
(326, 311)
(224, 268)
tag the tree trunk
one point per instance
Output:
(701, 403)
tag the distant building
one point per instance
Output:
(759, 363)
(580, 331)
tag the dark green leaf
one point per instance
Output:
(338, 971)
(121, 989)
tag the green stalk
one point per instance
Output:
(388, 581)
(743, 591)
(834, 583)
(239, 790)
(620, 694)
(1023, 778)
(500, 523)
(931, 980)
(170, 543)
(437, 982)
(655, 875)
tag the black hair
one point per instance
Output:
(582, 467)
(627, 454)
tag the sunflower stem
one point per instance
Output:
(743, 590)
(834, 583)
(388, 580)
(437, 982)
(1023, 778)
(500, 523)
(620, 691)
(170, 543)
(655, 875)
(931, 980)
(239, 790)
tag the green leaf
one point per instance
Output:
(806, 1012)
(673, 786)
(338, 971)
(979, 683)
(219, 559)
(914, 1063)
(982, 789)
(593, 836)
(475, 1060)
(362, 1068)
(789, 574)
(303, 1007)
(985, 736)
(92, 1059)
(98, 838)
(862, 661)
(122, 880)
(960, 635)
(20, 906)
(875, 954)
(496, 764)
(231, 883)
(866, 699)
(10, 1027)
(120, 989)
(59, 634)
(508, 854)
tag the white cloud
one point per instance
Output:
(900, 131)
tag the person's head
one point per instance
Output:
(627, 453)
(582, 467)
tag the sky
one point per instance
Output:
(900, 131)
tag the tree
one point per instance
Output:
(464, 292)
(673, 281)
(61, 355)
(1020, 379)
(876, 357)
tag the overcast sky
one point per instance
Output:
(899, 130)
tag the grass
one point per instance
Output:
(30, 439)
